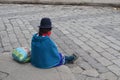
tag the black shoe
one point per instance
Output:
(75, 57)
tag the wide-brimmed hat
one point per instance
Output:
(45, 23)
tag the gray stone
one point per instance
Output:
(98, 48)
(80, 77)
(17, 71)
(115, 69)
(104, 61)
(90, 43)
(99, 67)
(114, 46)
(92, 78)
(117, 62)
(104, 40)
(108, 76)
(85, 47)
(108, 55)
(101, 44)
(94, 54)
(76, 70)
(91, 72)
(3, 75)
(84, 65)
(8, 48)
(113, 52)
(2, 26)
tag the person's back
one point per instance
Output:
(44, 52)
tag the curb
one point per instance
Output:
(64, 3)
(11, 70)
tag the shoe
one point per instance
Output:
(75, 57)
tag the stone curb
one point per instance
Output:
(64, 3)
(11, 70)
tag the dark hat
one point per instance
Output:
(45, 23)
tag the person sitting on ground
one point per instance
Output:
(44, 52)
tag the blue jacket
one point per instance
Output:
(44, 53)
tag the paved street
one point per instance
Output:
(91, 32)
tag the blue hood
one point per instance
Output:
(44, 53)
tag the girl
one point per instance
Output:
(44, 52)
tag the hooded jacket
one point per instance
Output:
(44, 52)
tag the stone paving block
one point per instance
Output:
(108, 76)
(15, 45)
(5, 44)
(84, 39)
(97, 36)
(63, 46)
(94, 40)
(3, 75)
(65, 32)
(117, 62)
(115, 69)
(69, 51)
(27, 35)
(14, 23)
(92, 78)
(113, 52)
(89, 59)
(95, 31)
(76, 70)
(76, 34)
(9, 26)
(80, 77)
(117, 42)
(104, 40)
(114, 46)
(68, 42)
(29, 27)
(5, 20)
(74, 47)
(58, 33)
(17, 30)
(94, 54)
(19, 21)
(119, 78)
(54, 36)
(70, 36)
(101, 44)
(1, 50)
(98, 49)
(2, 26)
(63, 70)
(4, 36)
(91, 72)
(108, 55)
(12, 38)
(110, 38)
(87, 36)
(81, 52)
(78, 42)
(8, 48)
(90, 43)
(32, 31)
(84, 65)
(0, 43)
(99, 67)
(21, 35)
(23, 42)
(104, 61)
(85, 47)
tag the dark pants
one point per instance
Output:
(69, 59)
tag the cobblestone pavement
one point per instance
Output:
(91, 32)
